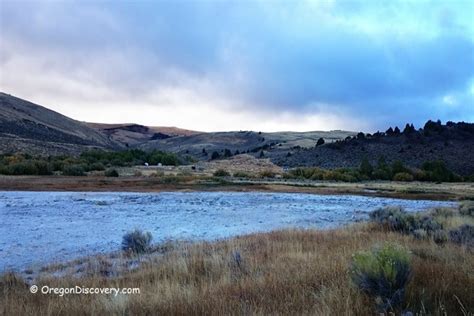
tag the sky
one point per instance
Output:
(243, 65)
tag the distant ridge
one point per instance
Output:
(131, 134)
(26, 127)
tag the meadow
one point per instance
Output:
(285, 272)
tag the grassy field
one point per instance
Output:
(287, 272)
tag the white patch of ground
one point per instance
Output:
(37, 228)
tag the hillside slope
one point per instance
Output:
(134, 134)
(31, 128)
(202, 145)
(452, 143)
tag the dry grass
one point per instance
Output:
(285, 272)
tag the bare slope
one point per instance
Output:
(28, 127)
(134, 134)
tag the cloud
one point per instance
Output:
(311, 65)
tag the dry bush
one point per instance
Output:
(221, 173)
(137, 241)
(289, 272)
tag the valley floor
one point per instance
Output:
(406, 190)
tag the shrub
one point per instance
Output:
(398, 166)
(74, 170)
(341, 174)
(111, 173)
(466, 208)
(382, 171)
(440, 236)
(43, 168)
(320, 141)
(137, 173)
(444, 212)
(403, 176)
(267, 174)
(98, 166)
(28, 167)
(420, 234)
(397, 219)
(136, 241)
(428, 223)
(383, 274)
(437, 171)
(157, 174)
(215, 155)
(241, 174)
(393, 218)
(381, 174)
(221, 173)
(463, 235)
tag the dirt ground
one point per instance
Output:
(241, 163)
(412, 190)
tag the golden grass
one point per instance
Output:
(290, 272)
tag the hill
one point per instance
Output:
(31, 128)
(132, 135)
(202, 146)
(452, 143)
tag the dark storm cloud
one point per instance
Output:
(380, 63)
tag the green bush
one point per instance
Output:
(381, 174)
(27, 167)
(111, 173)
(403, 176)
(74, 170)
(221, 173)
(129, 157)
(43, 168)
(366, 168)
(96, 166)
(137, 241)
(383, 274)
(398, 167)
(341, 174)
(437, 171)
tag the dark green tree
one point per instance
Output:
(366, 168)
